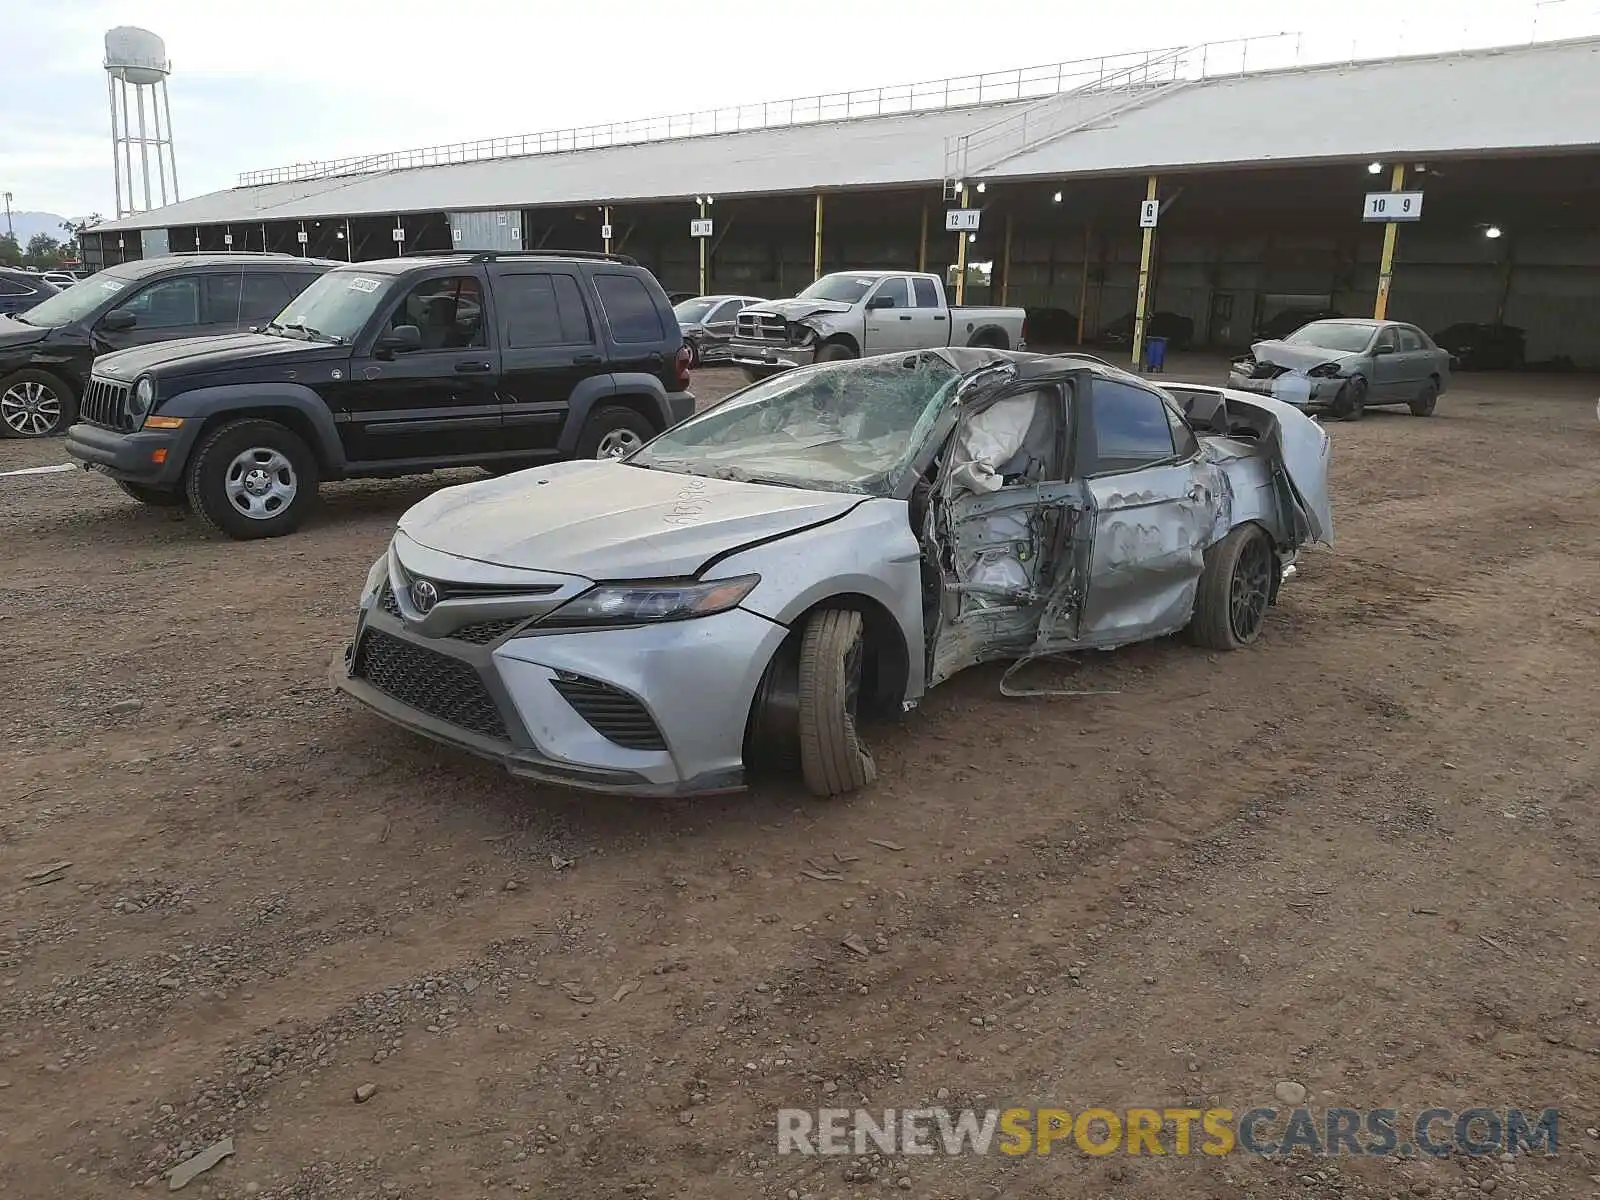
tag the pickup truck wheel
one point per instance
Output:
(613, 431)
(1230, 604)
(252, 479)
(832, 759)
(153, 496)
(834, 352)
(35, 404)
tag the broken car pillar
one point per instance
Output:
(1144, 276)
(1391, 233)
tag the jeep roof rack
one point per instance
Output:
(486, 256)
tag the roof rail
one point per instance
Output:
(235, 253)
(487, 256)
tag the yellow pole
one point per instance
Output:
(816, 244)
(1005, 265)
(605, 219)
(922, 245)
(961, 256)
(1144, 281)
(1391, 232)
(703, 242)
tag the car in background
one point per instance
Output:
(826, 544)
(46, 352)
(676, 298)
(1175, 328)
(1284, 322)
(20, 290)
(1347, 366)
(59, 279)
(1477, 346)
(708, 324)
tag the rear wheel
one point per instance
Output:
(694, 353)
(833, 759)
(155, 497)
(1230, 605)
(35, 404)
(252, 479)
(1351, 403)
(1427, 398)
(613, 431)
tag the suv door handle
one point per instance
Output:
(473, 368)
(585, 360)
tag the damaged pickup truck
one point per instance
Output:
(825, 545)
(853, 314)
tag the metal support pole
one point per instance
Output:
(349, 245)
(1505, 281)
(1391, 233)
(961, 257)
(161, 169)
(127, 146)
(1005, 266)
(1144, 282)
(1083, 283)
(144, 148)
(703, 242)
(605, 219)
(116, 159)
(816, 244)
(172, 151)
(922, 244)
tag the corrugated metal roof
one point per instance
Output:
(1476, 101)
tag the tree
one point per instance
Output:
(10, 252)
(43, 252)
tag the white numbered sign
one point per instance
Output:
(962, 220)
(605, 233)
(399, 235)
(1149, 213)
(304, 237)
(1393, 206)
(700, 227)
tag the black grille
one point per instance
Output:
(428, 681)
(615, 715)
(481, 633)
(387, 601)
(105, 403)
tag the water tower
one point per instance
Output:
(136, 72)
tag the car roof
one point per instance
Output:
(138, 268)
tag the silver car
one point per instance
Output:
(822, 546)
(1347, 366)
(708, 324)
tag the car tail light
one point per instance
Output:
(682, 365)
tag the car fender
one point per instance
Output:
(221, 399)
(870, 551)
(597, 389)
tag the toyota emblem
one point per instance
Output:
(424, 596)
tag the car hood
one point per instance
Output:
(1297, 358)
(188, 355)
(609, 521)
(794, 310)
(19, 333)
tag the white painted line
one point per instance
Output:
(42, 470)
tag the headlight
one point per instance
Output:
(1325, 371)
(637, 603)
(144, 395)
(377, 576)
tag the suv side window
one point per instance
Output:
(629, 308)
(448, 311)
(265, 294)
(927, 294)
(221, 291)
(895, 290)
(1131, 429)
(542, 309)
(166, 304)
(1409, 339)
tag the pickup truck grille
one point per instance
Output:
(763, 327)
(105, 403)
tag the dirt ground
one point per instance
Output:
(1363, 856)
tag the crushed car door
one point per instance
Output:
(993, 522)
(1153, 505)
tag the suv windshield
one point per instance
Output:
(839, 427)
(846, 289)
(75, 303)
(336, 307)
(1331, 335)
(691, 312)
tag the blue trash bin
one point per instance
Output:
(1155, 354)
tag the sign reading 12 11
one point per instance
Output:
(1393, 206)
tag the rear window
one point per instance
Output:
(630, 310)
(1131, 427)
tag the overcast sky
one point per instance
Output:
(267, 85)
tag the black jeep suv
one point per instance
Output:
(500, 360)
(46, 350)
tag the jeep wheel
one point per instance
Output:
(252, 479)
(35, 404)
(1230, 605)
(612, 432)
(832, 758)
(153, 496)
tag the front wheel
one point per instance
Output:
(833, 759)
(35, 404)
(1426, 400)
(252, 479)
(613, 431)
(1351, 403)
(834, 352)
(1230, 604)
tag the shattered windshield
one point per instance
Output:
(842, 427)
(1331, 335)
(843, 289)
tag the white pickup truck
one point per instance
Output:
(853, 314)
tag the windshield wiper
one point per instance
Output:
(310, 333)
(18, 317)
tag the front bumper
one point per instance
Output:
(133, 456)
(1293, 387)
(768, 356)
(717, 660)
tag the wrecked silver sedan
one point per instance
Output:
(1347, 366)
(828, 543)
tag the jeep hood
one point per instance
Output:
(1297, 358)
(794, 310)
(188, 355)
(19, 333)
(610, 521)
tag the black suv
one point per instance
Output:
(46, 351)
(498, 360)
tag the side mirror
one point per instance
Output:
(1383, 349)
(115, 322)
(881, 302)
(402, 339)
